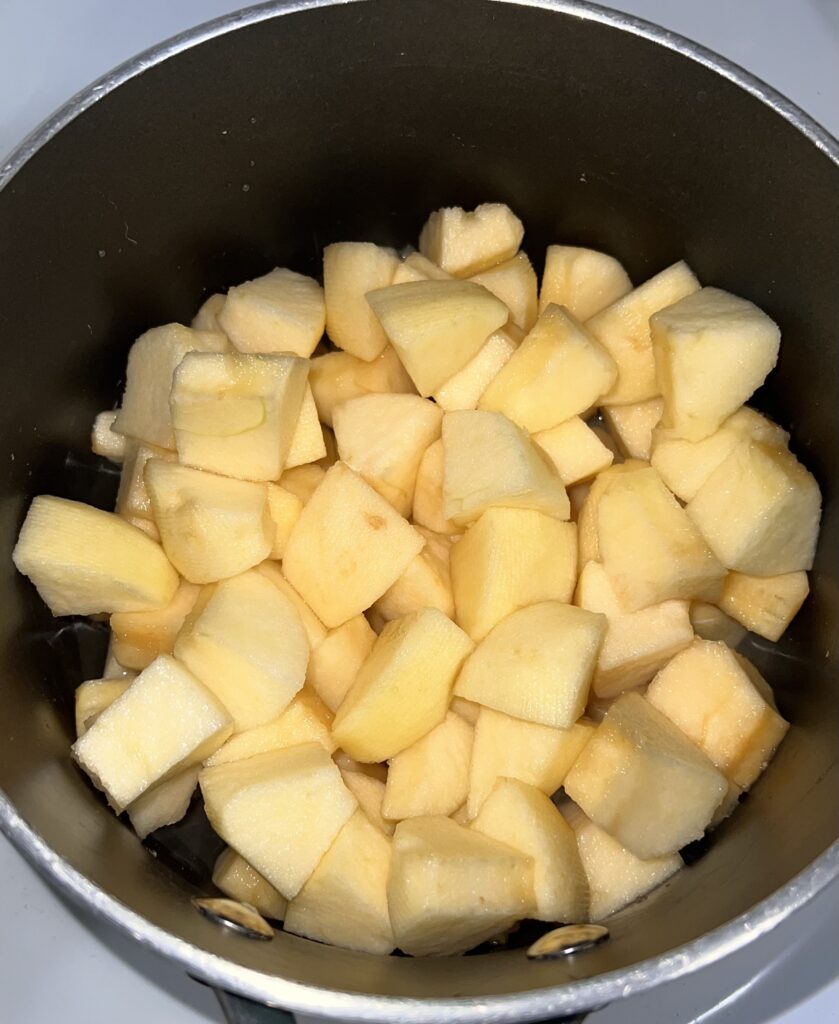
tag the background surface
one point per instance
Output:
(59, 967)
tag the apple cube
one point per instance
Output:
(428, 492)
(403, 688)
(463, 243)
(467, 709)
(632, 426)
(138, 637)
(576, 451)
(489, 461)
(451, 888)
(206, 319)
(525, 818)
(104, 440)
(279, 312)
(308, 443)
(284, 507)
(587, 538)
(765, 605)
(536, 664)
(436, 327)
(759, 511)
(712, 351)
(643, 781)
(432, 775)
(426, 583)
(211, 527)
(280, 810)
(348, 546)
(370, 793)
(239, 881)
(303, 481)
(337, 377)
(84, 561)
(583, 280)
(707, 693)
(464, 389)
(334, 663)
(113, 669)
(315, 630)
(164, 803)
(93, 696)
(350, 270)
(514, 282)
(133, 502)
(416, 267)
(558, 371)
(623, 329)
(712, 623)
(344, 902)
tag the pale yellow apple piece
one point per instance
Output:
(303, 481)
(643, 781)
(587, 539)
(280, 810)
(536, 664)
(712, 623)
(206, 319)
(84, 561)
(416, 267)
(350, 270)
(105, 441)
(334, 663)
(284, 507)
(583, 280)
(451, 888)
(308, 443)
(279, 312)
(133, 502)
(138, 637)
(316, 632)
(337, 377)
(632, 426)
(464, 389)
(575, 450)
(765, 605)
(465, 242)
(403, 688)
(348, 546)
(428, 492)
(239, 881)
(113, 669)
(514, 282)
(134, 743)
(370, 793)
(211, 526)
(93, 696)
(426, 583)
(349, 764)
(467, 709)
(164, 803)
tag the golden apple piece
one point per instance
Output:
(514, 282)
(463, 243)
(350, 270)
(139, 637)
(337, 377)
(576, 451)
(712, 623)
(426, 583)
(239, 881)
(370, 793)
(303, 481)
(284, 507)
(315, 630)
(335, 662)
(308, 443)
(587, 539)
(464, 389)
(279, 312)
(632, 426)
(583, 280)
(164, 803)
(133, 501)
(104, 440)
(428, 492)
(206, 319)
(765, 605)
(93, 696)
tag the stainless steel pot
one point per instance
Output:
(258, 139)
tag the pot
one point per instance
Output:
(256, 140)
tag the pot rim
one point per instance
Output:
(502, 1009)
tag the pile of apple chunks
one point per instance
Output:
(497, 544)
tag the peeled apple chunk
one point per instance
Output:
(632, 427)
(643, 781)
(451, 888)
(338, 376)
(335, 661)
(348, 547)
(163, 804)
(514, 282)
(370, 793)
(712, 350)
(536, 664)
(384, 437)
(93, 696)
(345, 899)
(464, 389)
(583, 280)
(133, 502)
(138, 637)
(247, 644)
(206, 319)
(280, 810)
(84, 561)
(623, 329)
(211, 526)
(279, 312)
(315, 630)
(308, 443)
(403, 688)
(238, 880)
(526, 819)
(708, 694)
(558, 371)
(463, 243)
(284, 507)
(237, 413)
(426, 583)
(712, 623)
(651, 549)
(436, 327)
(165, 721)
(302, 481)
(350, 270)
(576, 451)
(428, 492)
(104, 440)
(587, 538)
(759, 511)
(489, 461)
(765, 605)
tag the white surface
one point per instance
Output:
(59, 968)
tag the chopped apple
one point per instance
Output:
(349, 764)
(84, 561)
(707, 693)
(451, 888)
(583, 280)
(246, 644)
(536, 664)
(403, 688)
(489, 461)
(238, 880)
(432, 775)
(133, 502)
(759, 511)
(650, 548)
(113, 669)
(525, 818)
(464, 389)
(426, 583)
(712, 623)
(514, 282)
(132, 746)
(284, 507)
(345, 899)
(370, 793)
(587, 539)
(308, 443)
(164, 803)
(105, 441)
(436, 327)
(467, 709)
(280, 810)
(334, 663)
(643, 781)
(206, 319)
(558, 371)
(279, 312)
(575, 450)
(384, 437)
(337, 377)
(416, 267)
(510, 558)
(350, 270)
(316, 632)
(211, 527)
(637, 644)
(464, 243)
(303, 481)
(152, 361)
(765, 605)
(348, 546)
(138, 637)
(632, 426)
(93, 696)
(623, 329)
(712, 350)
(428, 492)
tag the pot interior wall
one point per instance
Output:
(260, 147)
